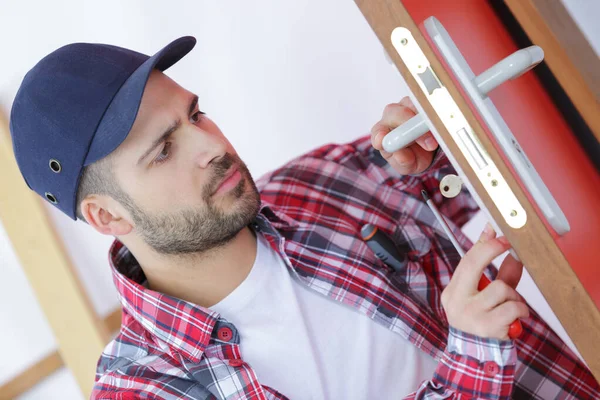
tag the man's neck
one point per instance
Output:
(203, 279)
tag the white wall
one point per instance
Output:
(585, 13)
(279, 77)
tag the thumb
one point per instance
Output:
(487, 233)
(478, 258)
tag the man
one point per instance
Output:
(232, 289)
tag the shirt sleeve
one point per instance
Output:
(472, 367)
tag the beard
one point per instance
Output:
(198, 230)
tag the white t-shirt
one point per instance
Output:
(308, 346)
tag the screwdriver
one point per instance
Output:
(515, 329)
(383, 246)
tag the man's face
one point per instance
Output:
(184, 185)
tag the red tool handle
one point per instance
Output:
(515, 329)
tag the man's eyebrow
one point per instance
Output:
(170, 130)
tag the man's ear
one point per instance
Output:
(105, 215)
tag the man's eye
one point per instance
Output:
(164, 154)
(197, 116)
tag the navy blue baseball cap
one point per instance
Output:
(75, 107)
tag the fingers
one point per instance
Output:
(427, 142)
(411, 161)
(496, 323)
(506, 313)
(407, 102)
(471, 267)
(405, 158)
(510, 271)
(405, 161)
(396, 114)
(487, 233)
(378, 132)
(414, 158)
(495, 294)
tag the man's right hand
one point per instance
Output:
(490, 312)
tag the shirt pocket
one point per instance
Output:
(410, 239)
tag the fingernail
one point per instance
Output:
(488, 229)
(486, 234)
(430, 144)
(376, 137)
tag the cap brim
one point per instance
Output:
(122, 111)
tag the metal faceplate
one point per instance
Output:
(462, 133)
(477, 88)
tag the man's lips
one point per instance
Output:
(230, 179)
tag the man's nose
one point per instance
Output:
(205, 146)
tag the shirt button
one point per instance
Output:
(225, 334)
(236, 362)
(491, 369)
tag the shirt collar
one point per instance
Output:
(184, 326)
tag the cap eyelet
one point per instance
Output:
(50, 197)
(55, 165)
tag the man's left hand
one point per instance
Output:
(413, 159)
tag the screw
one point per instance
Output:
(404, 42)
(513, 213)
(494, 183)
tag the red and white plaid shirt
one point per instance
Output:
(312, 211)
